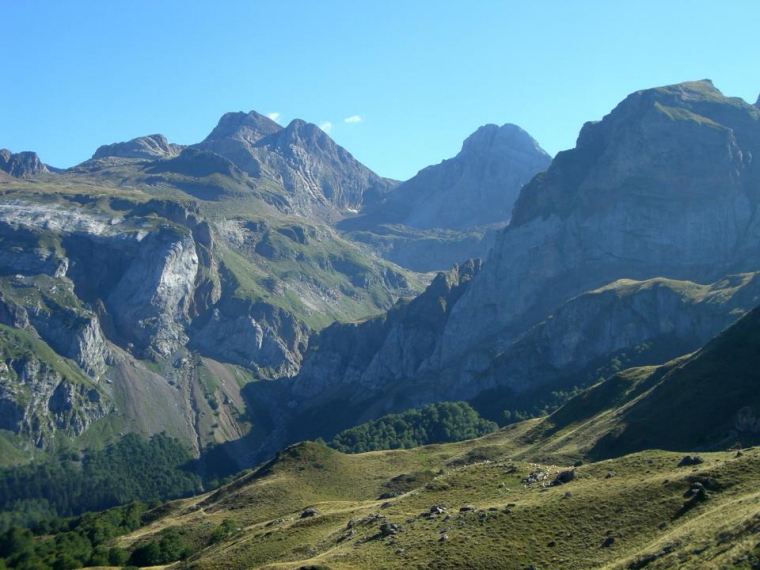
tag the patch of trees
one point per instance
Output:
(436, 423)
(129, 470)
(67, 544)
(168, 547)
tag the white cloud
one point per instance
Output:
(326, 126)
(353, 119)
(273, 116)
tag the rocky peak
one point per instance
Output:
(658, 138)
(150, 147)
(309, 137)
(757, 103)
(306, 134)
(21, 164)
(321, 177)
(477, 187)
(501, 141)
(250, 127)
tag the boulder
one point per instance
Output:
(690, 460)
(564, 477)
(389, 529)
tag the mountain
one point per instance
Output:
(477, 187)
(319, 176)
(443, 215)
(640, 243)
(207, 293)
(150, 147)
(21, 164)
(663, 186)
(145, 295)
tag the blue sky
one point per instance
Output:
(420, 75)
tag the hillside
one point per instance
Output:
(706, 399)
(627, 512)
(145, 288)
(580, 489)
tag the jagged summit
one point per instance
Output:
(249, 127)
(149, 147)
(321, 177)
(21, 164)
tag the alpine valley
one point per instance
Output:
(498, 363)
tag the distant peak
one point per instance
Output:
(757, 103)
(496, 139)
(250, 127)
(303, 132)
(304, 128)
(298, 124)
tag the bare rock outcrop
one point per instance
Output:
(150, 147)
(21, 164)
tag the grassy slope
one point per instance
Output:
(639, 500)
(689, 403)
(641, 505)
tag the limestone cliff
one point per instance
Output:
(665, 185)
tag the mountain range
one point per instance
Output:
(262, 287)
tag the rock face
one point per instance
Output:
(21, 164)
(198, 163)
(144, 280)
(477, 187)
(319, 176)
(74, 334)
(665, 185)
(151, 302)
(392, 363)
(356, 362)
(253, 335)
(151, 147)
(37, 399)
